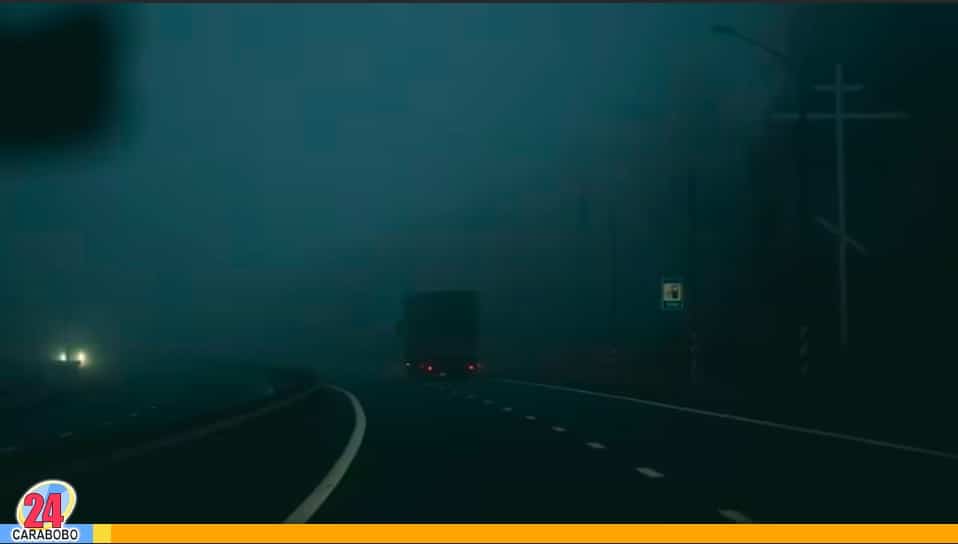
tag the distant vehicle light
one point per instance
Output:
(408, 364)
(428, 368)
(82, 358)
(62, 357)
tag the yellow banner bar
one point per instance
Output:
(529, 533)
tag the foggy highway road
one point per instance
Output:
(499, 451)
(728, 210)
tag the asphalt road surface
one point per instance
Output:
(149, 399)
(497, 451)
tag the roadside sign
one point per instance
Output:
(673, 294)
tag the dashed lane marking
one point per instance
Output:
(558, 429)
(507, 409)
(735, 515)
(749, 420)
(191, 434)
(531, 418)
(488, 402)
(649, 472)
(66, 434)
(595, 445)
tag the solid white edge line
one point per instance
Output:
(312, 503)
(735, 515)
(741, 419)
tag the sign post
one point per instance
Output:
(673, 294)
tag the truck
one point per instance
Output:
(439, 333)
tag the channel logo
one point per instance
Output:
(42, 514)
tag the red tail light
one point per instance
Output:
(471, 367)
(428, 368)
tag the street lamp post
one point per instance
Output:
(796, 75)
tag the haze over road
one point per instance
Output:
(243, 215)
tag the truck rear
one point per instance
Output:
(440, 333)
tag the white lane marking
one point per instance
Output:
(107, 423)
(66, 434)
(488, 402)
(470, 396)
(192, 434)
(595, 445)
(531, 418)
(558, 429)
(735, 515)
(8, 449)
(742, 419)
(134, 414)
(649, 472)
(152, 407)
(507, 409)
(315, 500)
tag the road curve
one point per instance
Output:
(489, 451)
(255, 463)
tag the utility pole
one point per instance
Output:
(839, 88)
(614, 276)
(583, 278)
(800, 297)
(691, 290)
